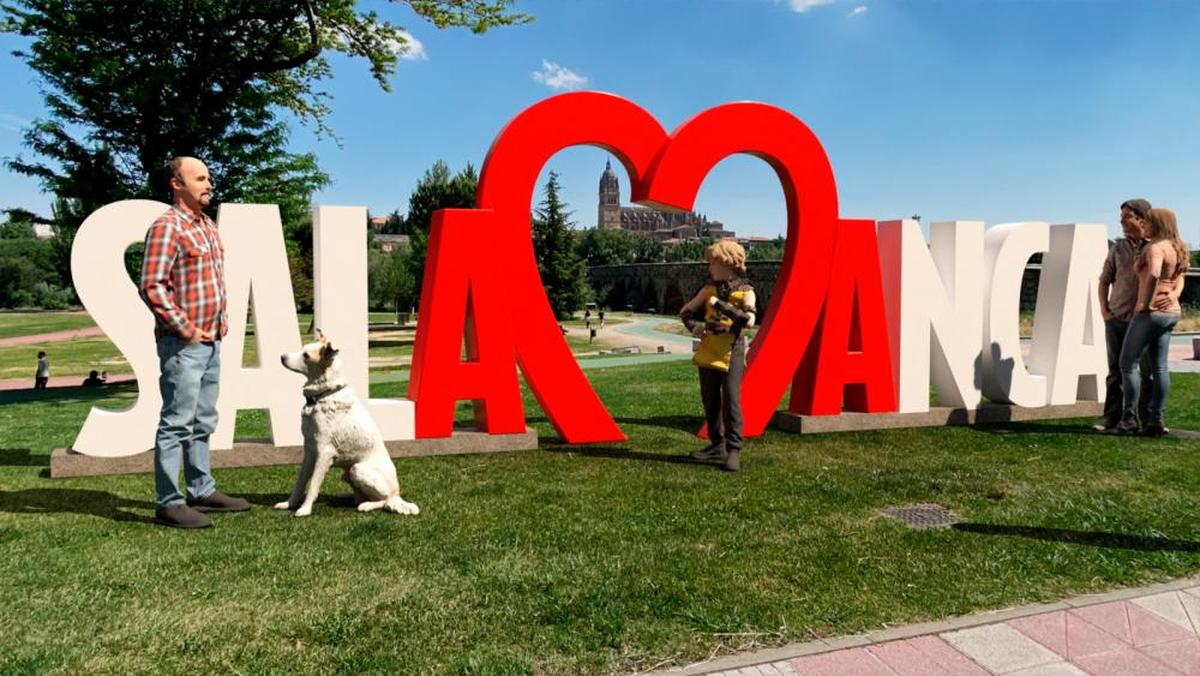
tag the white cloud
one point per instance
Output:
(856, 11)
(559, 77)
(415, 51)
(802, 6)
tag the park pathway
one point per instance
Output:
(55, 337)
(59, 381)
(1145, 631)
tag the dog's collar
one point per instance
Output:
(311, 400)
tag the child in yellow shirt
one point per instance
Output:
(729, 307)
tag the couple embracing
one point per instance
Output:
(1140, 286)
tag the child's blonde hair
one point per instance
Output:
(727, 252)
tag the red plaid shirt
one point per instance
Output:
(183, 275)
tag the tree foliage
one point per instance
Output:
(601, 246)
(766, 251)
(437, 189)
(562, 270)
(130, 84)
(392, 284)
(145, 85)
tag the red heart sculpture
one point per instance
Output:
(666, 172)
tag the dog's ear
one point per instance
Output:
(320, 336)
(328, 351)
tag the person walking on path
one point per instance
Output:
(1160, 268)
(42, 376)
(183, 284)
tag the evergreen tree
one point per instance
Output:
(562, 270)
(437, 189)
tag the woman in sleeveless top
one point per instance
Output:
(1160, 266)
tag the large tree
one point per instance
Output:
(559, 264)
(602, 246)
(131, 83)
(437, 189)
(146, 80)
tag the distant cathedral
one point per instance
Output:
(665, 226)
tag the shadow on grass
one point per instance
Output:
(269, 500)
(621, 454)
(73, 501)
(20, 457)
(1080, 537)
(685, 423)
(66, 395)
(391, 343)
(1072, 427)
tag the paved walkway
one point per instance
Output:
(59, 381)
(1135, 632)
(55, 337)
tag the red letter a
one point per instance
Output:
(852, 355)
(461, 298)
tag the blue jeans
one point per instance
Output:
(1114, 338)
(1148, 332)
(189, 386)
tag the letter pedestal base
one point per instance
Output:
(68, 463)
(936, 416)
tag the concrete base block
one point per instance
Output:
(248, 453)
(938, 416)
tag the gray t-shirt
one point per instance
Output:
(1120, 274)
(43, 369)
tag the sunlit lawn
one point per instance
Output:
(578, 558)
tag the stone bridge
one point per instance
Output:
(665, 287)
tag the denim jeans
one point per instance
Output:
(189, 385)
(1114, 335)
(1148, 333)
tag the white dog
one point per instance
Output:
(339, 431)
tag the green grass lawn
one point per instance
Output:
(77, 357)
(578, 559)
(72, 358)
(30, 323)
(14, 324)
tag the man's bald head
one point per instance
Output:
(189, 182)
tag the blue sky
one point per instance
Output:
(996, 111)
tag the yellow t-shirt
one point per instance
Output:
(716, 349)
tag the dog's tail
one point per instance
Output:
(397, 505)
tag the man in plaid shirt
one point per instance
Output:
(183, 283)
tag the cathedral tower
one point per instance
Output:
(609, 216)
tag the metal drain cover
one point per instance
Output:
(921, 516)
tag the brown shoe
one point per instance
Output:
(709, 452)
(219, 502)
(180, 516)
(732, 462)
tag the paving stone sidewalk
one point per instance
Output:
(1145, 631)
